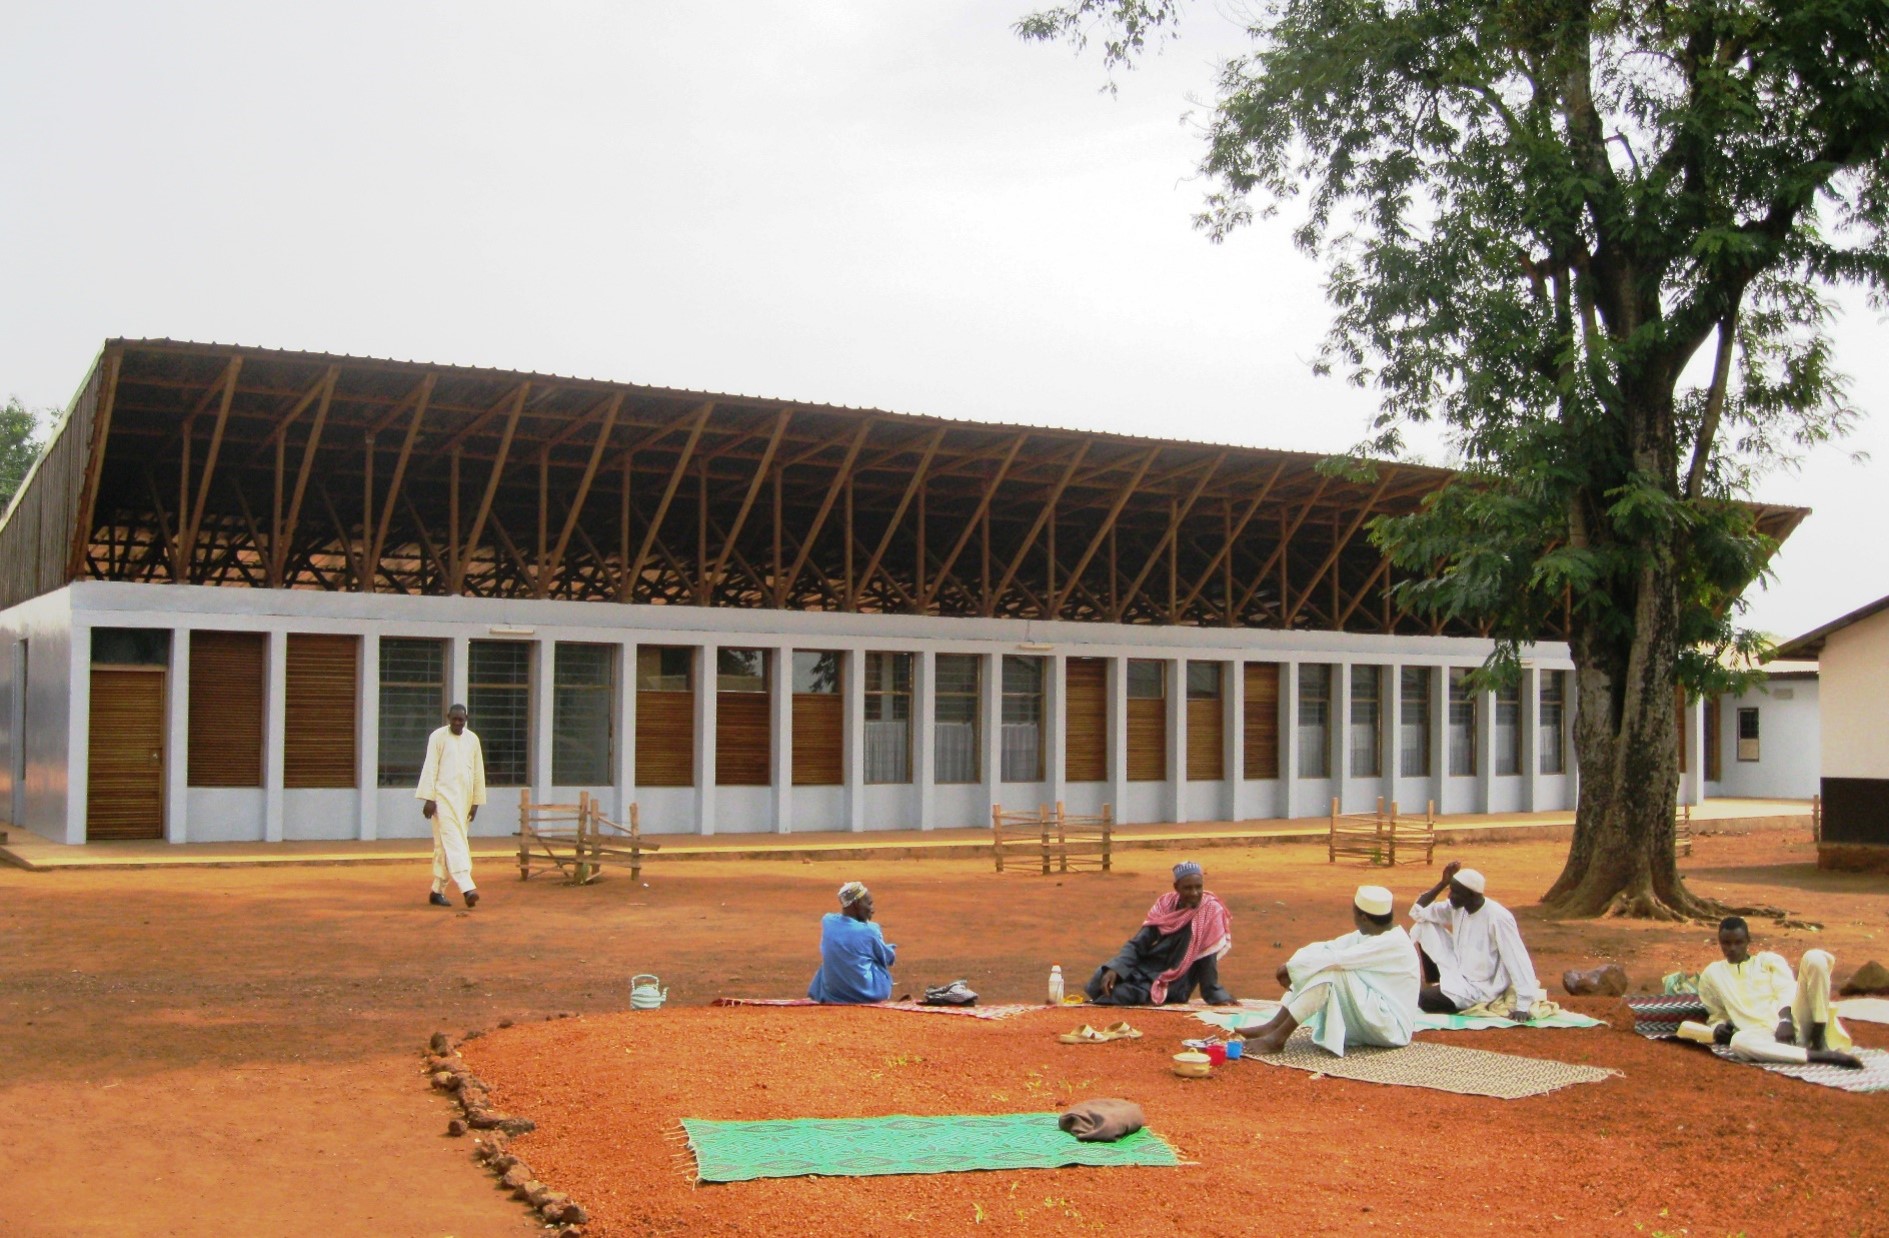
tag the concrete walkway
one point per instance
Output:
(31, 851)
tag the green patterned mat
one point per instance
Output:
(864, 1147)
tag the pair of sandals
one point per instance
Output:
(1086, 1035)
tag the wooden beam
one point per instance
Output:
(511, 406)
(301, 476)
(1278, 552)
(421, 398)
(1338, 547)
(491, 484)
(905, 501)
(826, 507)
(1176, 517)
(1226, 548)
(1383, 567)
(1036, 528)
(668, 496)
(94, 466)
(983, 506)
(341, 530)
(426, 541)
(1106, 528)
(713, 576)
(583, 492)
(209, 462)
(163, 520)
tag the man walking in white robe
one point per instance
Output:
(1475, 948)
(1763, 1012)
(452, 784)
(1359, 989)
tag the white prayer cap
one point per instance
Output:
(852, 892)
(1373, 900)
(1469, 879)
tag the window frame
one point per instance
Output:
(565, 695)
(975, 696)
(1315, 759)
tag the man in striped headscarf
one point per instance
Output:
(1177, 950)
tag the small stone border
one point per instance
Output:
(448, 1073)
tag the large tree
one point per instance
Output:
(1596, 241)
(19, 447)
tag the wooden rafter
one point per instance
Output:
(785, 587)
(491, 486)
(1177, 516)
(668, 496)
(1338, 546)
(712, 577)
(583, 493)
(1043, 516)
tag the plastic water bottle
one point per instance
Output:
(1055, 985)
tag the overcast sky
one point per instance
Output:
(892, 205)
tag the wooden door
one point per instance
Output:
(125, 780)
(1085, 720)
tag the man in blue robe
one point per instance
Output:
(855, 958)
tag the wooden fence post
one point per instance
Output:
(524, 834)
(997, 836)
(1108, 834)
(1042, 830)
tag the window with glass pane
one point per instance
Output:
(955, 719)
(1508, 730)
(816, 672)
(583, 704)
(498, 695)
(1023, 719)
(1147, 720)
(1551, 729)
(888, 717)
(663, 668)
(1462, 725)
(1203, 681)
(1748, 735)
(1147, 679)
(1413, 729)
(1365, 725)
(1314, 721)
(412, 705)
(741, 670)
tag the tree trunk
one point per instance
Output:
(1627, 744)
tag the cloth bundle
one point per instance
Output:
(957, 993)
(1503, 1007)
(1102, 1121)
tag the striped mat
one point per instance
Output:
(1442, 1068)
(974, 1012)
(1657, 1017)
(903, 1144)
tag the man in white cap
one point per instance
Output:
(1473, 954)
(1764, 1013)
(1359, 989)
(855, 958)
(452, 786)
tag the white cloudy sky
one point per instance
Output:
(850, 201)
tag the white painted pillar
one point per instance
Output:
(1295, 800)
(1238, 798)
(780, 709)
(1485, 751)
(706, 684)
(1056, 726)
(1117, 689)
(1530, 722)
(367, 738)
(539, 722)
(1440, 736)
(459, 672)
(274, 735)
(626, 731)
(78, 732)
(177, 740)
(1692, 782)
(1338, 735)
(1390, 696)
(925, 736)
(853, 707)
(1177, 740)
(990, 705)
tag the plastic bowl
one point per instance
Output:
(1192, 1065)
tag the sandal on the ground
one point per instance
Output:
(1084, 1035)
(1121, 1031)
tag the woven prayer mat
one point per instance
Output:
(1657, 1016)
(1427, 1022)
(866, 1147)
(1442, 1068)
(1874, 1077)
(1866, 1009)
(975, 1012)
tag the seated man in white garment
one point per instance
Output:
(1762, 1011)
(1359, 989)
(1473, 954)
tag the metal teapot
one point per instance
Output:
(646, 996)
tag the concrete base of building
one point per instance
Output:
(1853, 857)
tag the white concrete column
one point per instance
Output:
(853, 707)
(1338, 735)
(1390, 698)
(706, 682)
(626, 731)
(1177, 740)
(1485, 750)
(925, 736)
(1297, 802)
(1118, 736)
(1692, 782)
(1440, 736)
(459, 672)
(1530, 723)
(177, 740)
(990, 706)
(539, 721)
(780, 709)
(1238, 798)
(78, 731)
(1056, 726)
(367, 739)
(274, 735)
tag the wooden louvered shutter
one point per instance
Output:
(228, 671)
(1262, 719)
(1206, 739)
(1147, 739)
(819, 728)
(318, 745)
(742, 739)
(1086, 720)
(665, 739)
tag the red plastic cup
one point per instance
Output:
(1217, 1054)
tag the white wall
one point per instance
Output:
(41, 720)
(1854, 673)
(1789, 731)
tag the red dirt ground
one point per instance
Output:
(217, 1049)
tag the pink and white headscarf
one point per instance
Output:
(1213, 934)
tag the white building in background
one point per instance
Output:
(1764, 742)
(1852, 656)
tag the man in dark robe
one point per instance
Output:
(1177, 950)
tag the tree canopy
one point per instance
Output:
(20, 445)
(1596, 241)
